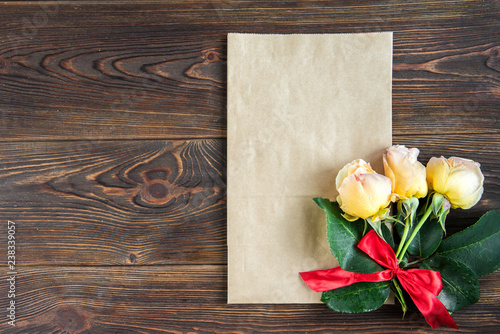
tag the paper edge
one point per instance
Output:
(390, 299)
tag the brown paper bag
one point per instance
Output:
(299, 108)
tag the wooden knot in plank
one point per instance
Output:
(70, 319)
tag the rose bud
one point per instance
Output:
(406, 173)
(362, 192)
(459, 180)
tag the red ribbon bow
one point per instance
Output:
(422, 285)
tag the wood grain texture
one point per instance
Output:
(117, 235)
(192, 299)
(112, 70)
(112, 203)
(154, 202)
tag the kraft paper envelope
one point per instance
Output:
(299, 108)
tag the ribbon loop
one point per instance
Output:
(422, 285)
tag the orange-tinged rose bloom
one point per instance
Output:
(406, 173)
(459, 180)
(362, 192)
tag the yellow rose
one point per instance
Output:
(358, 166)
(459, 180)
(362, 192)
(406, 173)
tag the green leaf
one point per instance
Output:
(478, 246)
(460, 283)
(343, 237)
(387, 236)
(427, 239)
(357, 298)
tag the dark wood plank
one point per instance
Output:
(112, 70)
(181, 299)
(110, 203)
(129, 236)
(154, 202)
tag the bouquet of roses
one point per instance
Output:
(437, 275)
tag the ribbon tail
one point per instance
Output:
(434, 312)
(329, 279)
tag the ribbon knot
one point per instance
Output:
(422, 285)
(396, 271)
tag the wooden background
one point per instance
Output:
(113, 154)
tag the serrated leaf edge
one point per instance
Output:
(448, 282)
(458, 248)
